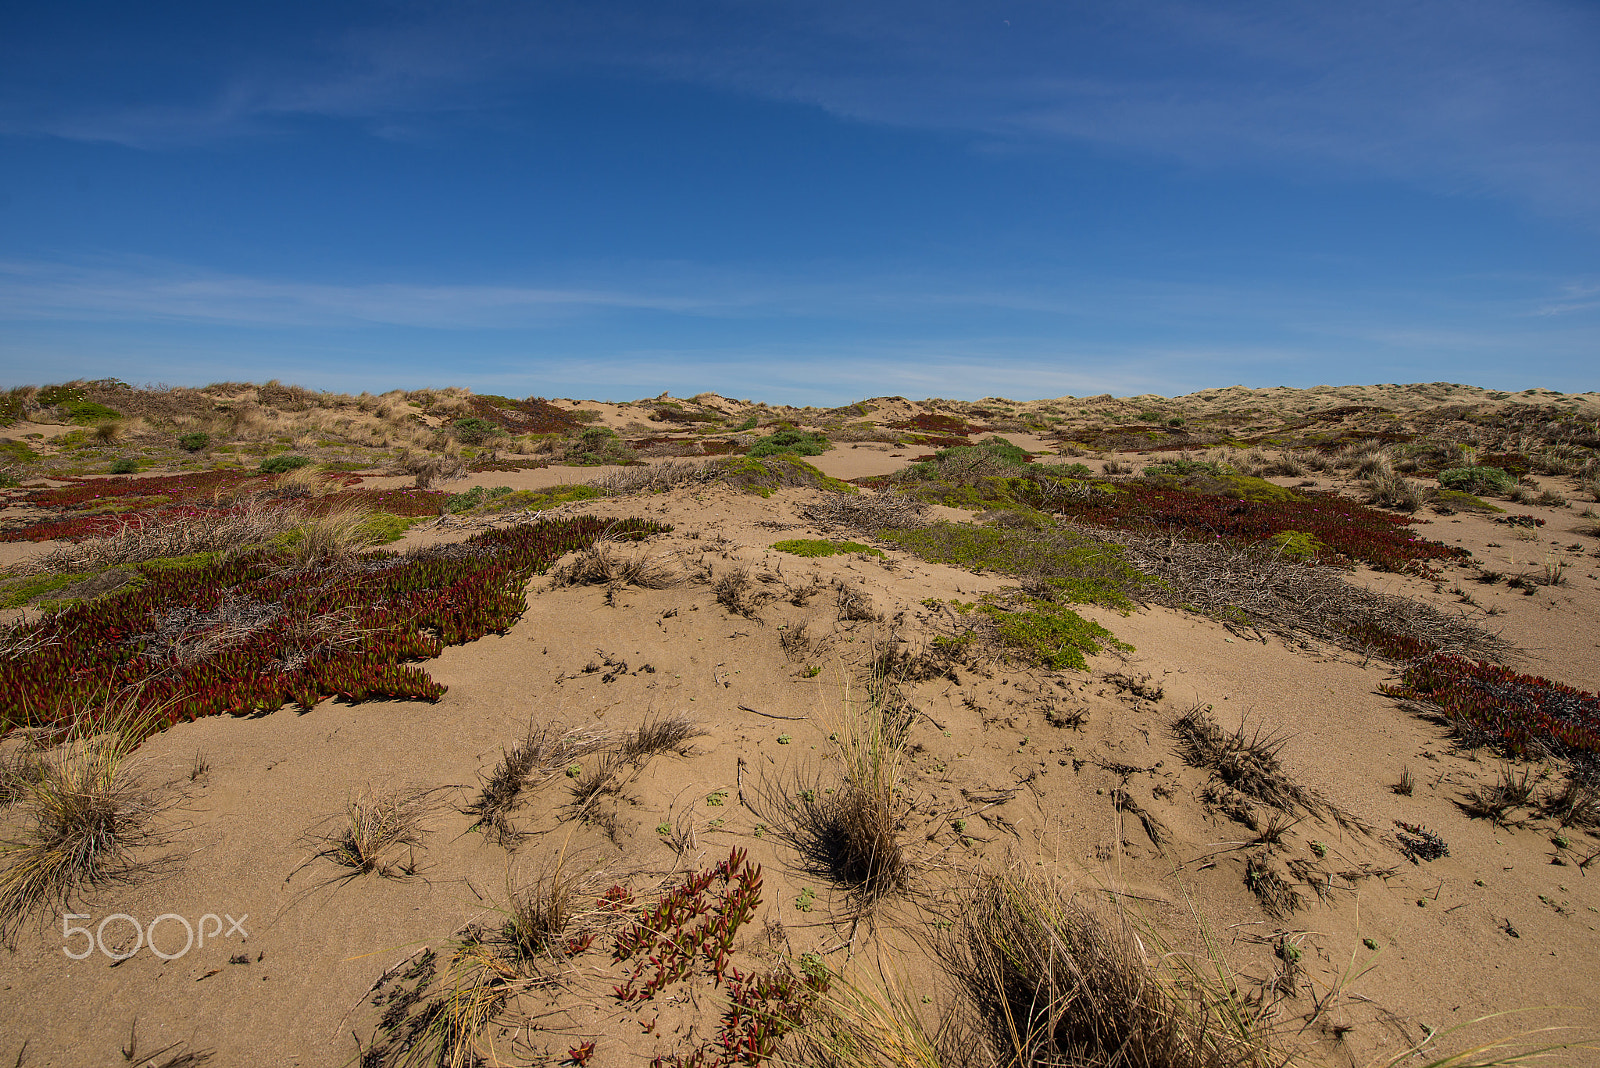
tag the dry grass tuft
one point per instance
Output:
(331, 539)
(540, 914)
(542, 753)
(76, 812)
(603, 563)
(857, 1026)
(1056, 982)
(377, 826)
(1247, 763)
(853, 603)
(1497, 801)
(738, 593)
(866, 512)
(478, 983)
(658, 734)
(850, 832)
(1392, 490)
(1274, 892)
(1576, 803)
(659, 478)
(308, 481)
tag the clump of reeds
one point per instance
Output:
(1246, 762)
(329, 539)
(378, 824)
(850, 831)
(603, 563)
(1055, 981)
(543, 752)
(76, 812)
(540, 914)
(1393, 490)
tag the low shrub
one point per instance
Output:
(598, 446)
(194, 442)
(1477, 480)
(814, 547)
(1074, 568)
(1050, 634)
(1214, 479)
(474, 431)
(124, 465)
(283, 463)
(789, 441)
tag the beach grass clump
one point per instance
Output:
(378, 824)
(1246, 761)
(543, 753)
(848, 830)
(1054, 981)
(76, 813)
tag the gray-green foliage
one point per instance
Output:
(1477, 480)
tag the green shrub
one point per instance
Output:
(283, 463)
(1462, 502)
(598, 445)
(1220, 480)
(795, 442)
(88, 413)
(194, 442)
(475, 431)
(381, 528)
(460, 502)
(1069, 567)
(818, 547)
(1477, 480)
(124, 465)
(18, 453)
(762, 475)
(1297, 544)
(1054, 636)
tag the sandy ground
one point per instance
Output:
(1498, 924)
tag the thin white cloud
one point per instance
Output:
(166, 292)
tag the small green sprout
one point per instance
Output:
(806, 900)
(717, 797)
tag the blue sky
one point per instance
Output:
(804, 202)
